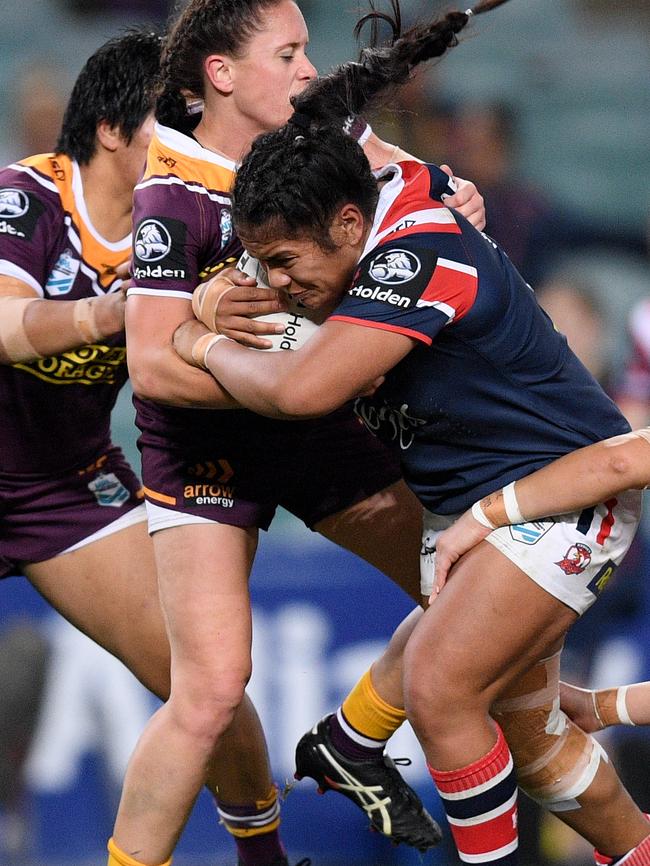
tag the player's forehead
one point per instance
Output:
(282, 26)
(269, 248)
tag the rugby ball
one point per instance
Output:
(299, 323)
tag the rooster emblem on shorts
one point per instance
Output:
(576, 559)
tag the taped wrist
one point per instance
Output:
(513, 511)
(202, 346)
(610, 706)
(493, 509)
(84, 319)
(206, 300)
(481, 517)
(14, 342)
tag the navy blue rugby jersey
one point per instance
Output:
(491, 390)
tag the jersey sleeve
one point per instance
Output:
(30, 224)
(169, 225)
(414, 285)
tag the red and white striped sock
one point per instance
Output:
(642, 851)
(481, 805)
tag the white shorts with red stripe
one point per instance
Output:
(571, 556)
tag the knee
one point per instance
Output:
(205, 709)
(429, 692)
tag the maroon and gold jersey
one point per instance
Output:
(182, 235)
(56, 411)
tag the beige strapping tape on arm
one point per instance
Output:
(83, 317)
(207, 297)
(16, 345)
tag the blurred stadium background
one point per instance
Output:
(546, 106)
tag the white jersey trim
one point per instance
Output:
(457, 266)
(191, 187)
(450, 312)
(387, 198)
(182, 143)
(438, 216)
(78, 192)
(158, 293)
(48, 184)
(9, 269)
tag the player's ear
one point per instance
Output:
(108, 136)
(219, 72)
(348, 226)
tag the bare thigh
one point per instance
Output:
(203, 573)
(108, 589)
(386, 530)
(490, 623)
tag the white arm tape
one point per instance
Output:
(14, 341)
(621, 706)
(511, 505)
(480, 515)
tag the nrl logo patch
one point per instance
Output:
(530, 533)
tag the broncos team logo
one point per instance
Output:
(153, 241)
(576, 559)
(394, 267)
(13, 203)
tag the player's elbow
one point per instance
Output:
(622, 465)
(294, 400)
(145, 385)
(147, 382)
(623, 470)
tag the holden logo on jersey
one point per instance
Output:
(394, 267)
(13, 203)
(153, 242)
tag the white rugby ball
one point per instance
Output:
(299, 323)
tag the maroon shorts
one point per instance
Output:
(42, 517)
(244, 471)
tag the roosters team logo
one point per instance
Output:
(576, 559)
(153, 242)
(394, 267)
(13, 203)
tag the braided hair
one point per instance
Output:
(203, 27)
(295, 179)
(353, 87)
